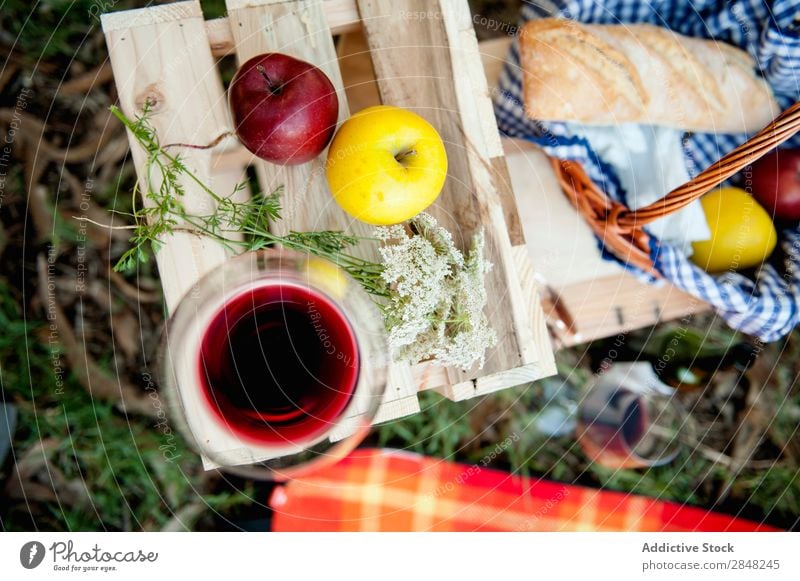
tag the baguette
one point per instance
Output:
(609, 74)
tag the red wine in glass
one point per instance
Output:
(614, 422)
(629, 419)
(279, 364)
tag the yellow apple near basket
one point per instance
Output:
(742, 233)
(386, 165)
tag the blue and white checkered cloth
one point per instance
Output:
(769, 306)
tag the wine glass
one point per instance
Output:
(277, 361)
(629, 419)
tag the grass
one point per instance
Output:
(104, 471)
(62, 30)
(51, 29)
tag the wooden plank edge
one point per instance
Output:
(484, 147)
(125, 19)
(391, 410)
(184, 256)
(667, 303)
(530, 289)
(495, 382)
(342, 17)
(485, 385)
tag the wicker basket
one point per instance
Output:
(622, 230)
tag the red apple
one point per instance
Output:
(776, 183)
(284, 109)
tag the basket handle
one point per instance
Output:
(621, 229)
(782, 128)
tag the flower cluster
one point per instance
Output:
(436, 295)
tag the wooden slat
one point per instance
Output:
(357, 72)
(607, 306)
(490, 383)
(162, 54)
(341, 15)
(300, 30)
(181, 12)
(451, 93)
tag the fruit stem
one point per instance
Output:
(273, 88)
(404, 154)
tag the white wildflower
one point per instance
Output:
(436, 297)
(470, 331)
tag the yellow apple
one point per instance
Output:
(742, 233)
(386, 165)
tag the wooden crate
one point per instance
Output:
(425, 58)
